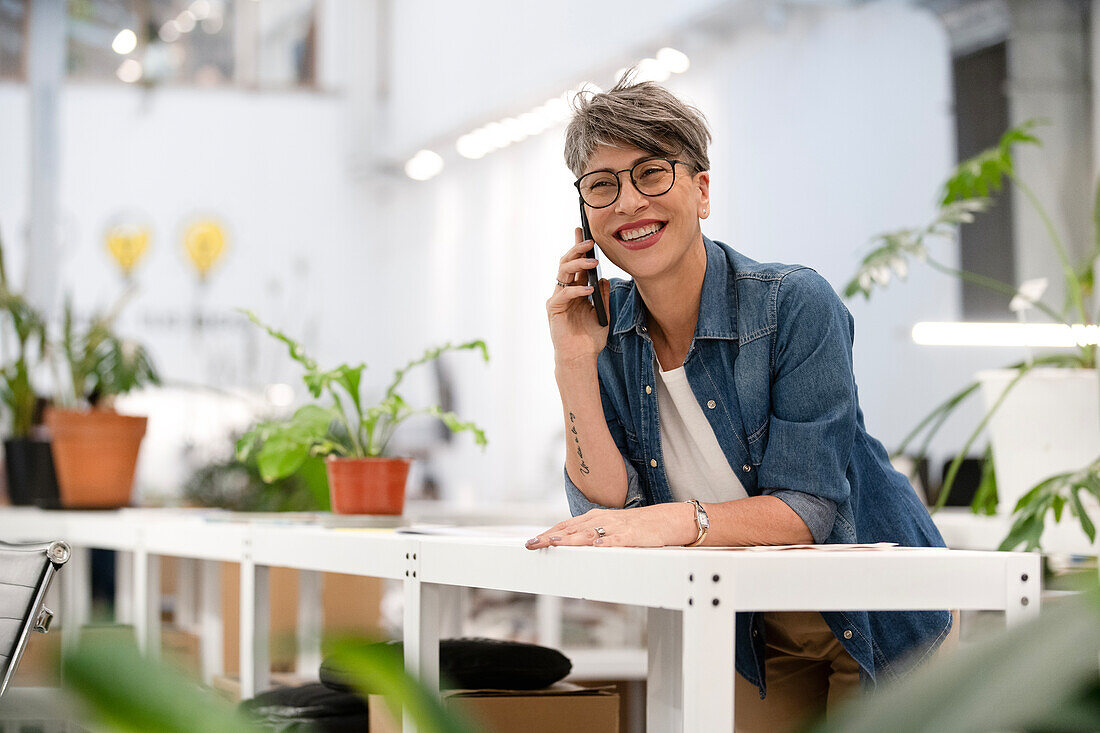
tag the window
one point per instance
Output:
(270, 44)
(981, 115)
(13, 26)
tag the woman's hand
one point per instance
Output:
(573, 327)
(659, 525)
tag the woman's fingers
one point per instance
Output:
(573, 531)
(568, 271)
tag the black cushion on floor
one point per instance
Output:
(476, 664)
(313, 707)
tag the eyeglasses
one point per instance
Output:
(652, 177)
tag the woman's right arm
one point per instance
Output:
(592, 460)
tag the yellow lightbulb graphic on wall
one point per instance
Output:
(127, 244)
(204, 242)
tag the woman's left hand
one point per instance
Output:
(659, 525)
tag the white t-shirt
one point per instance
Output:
(695, 465)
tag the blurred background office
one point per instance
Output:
(376, 176)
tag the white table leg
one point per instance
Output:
(211, 625)
(664, 698)
(124, 587)
(310, 624)
(186, 617)
(548, 611)
(1023, 581)
(421, 635)
(708, 653)
(146, 598)
(452, 610)
(255, 665)
(76, 595)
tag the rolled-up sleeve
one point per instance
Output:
(578, 502)
(814, 405)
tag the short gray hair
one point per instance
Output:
(643, 115)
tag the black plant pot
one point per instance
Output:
(31, 477)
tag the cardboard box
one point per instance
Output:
(561, 708)
(181, 649)
(40, 665)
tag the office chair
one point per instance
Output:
(25, 574)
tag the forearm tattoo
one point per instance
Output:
(577, 441)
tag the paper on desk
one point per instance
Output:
(817, 548)
(511, 531)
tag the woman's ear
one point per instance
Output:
(702, 185)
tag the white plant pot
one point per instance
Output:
(1048, 424)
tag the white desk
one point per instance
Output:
(691, 595)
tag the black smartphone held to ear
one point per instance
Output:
(594, 275)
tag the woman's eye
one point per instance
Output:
(601, 184)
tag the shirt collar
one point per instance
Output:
(717, 303)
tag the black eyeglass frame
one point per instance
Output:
(633, 181)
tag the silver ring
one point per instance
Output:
(601, 532)
(561, 284)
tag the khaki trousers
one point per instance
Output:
(808, 673)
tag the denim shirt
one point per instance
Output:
(771, 367)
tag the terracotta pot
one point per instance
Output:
(95, 453)
(367, 485)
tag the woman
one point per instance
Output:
(719, 406)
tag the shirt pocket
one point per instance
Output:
(633, 447)
(758, 443)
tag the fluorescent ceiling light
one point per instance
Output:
(125, 42)
(424, 165)
(675, 61)
(130, 71)
(1051, 335)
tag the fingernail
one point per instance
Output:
(555, 539)
(532, 541)
(599, 541)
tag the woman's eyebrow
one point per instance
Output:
(636, 161)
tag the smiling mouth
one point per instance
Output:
(640, 235)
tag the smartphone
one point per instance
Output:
(595, 274)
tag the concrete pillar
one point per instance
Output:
(45, 75)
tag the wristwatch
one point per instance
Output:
(702, 520)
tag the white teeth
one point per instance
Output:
(645, 231)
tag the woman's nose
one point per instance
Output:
(630, 199)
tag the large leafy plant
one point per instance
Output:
(1039, 676)
(123, 691)
(23, 341)
(100, 363)
(968, 192)
(346, 425)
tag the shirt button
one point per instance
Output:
(648, 389)
(746, 468)
(653, 462)
(711, 404)
(848, 634)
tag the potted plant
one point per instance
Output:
(28, 462)
(1029, 405)
(95, 447)
(351, 434)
